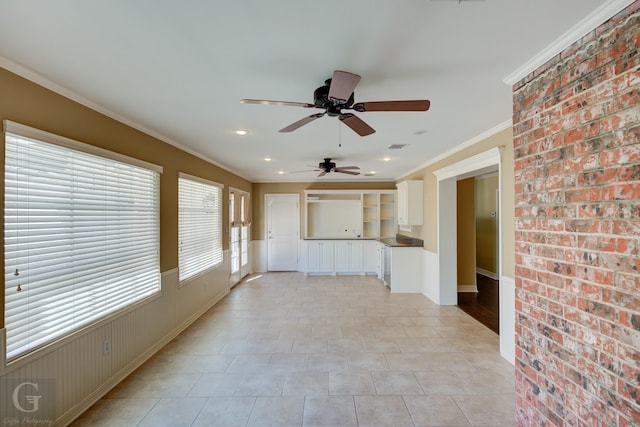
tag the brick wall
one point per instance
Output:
(577, 188)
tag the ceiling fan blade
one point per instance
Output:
(348, 172)
(342, 85)
(308, 170)
(348, 167)
(268, 102)
(323, 173)
(302, 122)
(356, 124)
(411, 105)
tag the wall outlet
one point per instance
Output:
(106, 347)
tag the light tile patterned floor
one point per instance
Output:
(283, 349)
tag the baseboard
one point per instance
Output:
(486, 273)
(82, 406)
(467, 288)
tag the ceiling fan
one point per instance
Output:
(328, 166)
(337, 95)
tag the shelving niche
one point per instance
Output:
(350, 214)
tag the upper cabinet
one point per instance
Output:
(410, 203)
(350, 214)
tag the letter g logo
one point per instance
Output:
(32, 400)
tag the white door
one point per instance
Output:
(244, 250)
(283, 218)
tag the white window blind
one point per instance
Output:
(81, 239)
(199, 225)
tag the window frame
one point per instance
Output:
(182, 176)
(62, 334)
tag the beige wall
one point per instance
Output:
(30, 104)
(260, 189)
(466, 232)
(429, 231)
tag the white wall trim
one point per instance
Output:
(480, 137)
(446, 217)
(487, 273)
(608, 9)
(471, 164)
(467, 288)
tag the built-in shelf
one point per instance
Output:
(349, 214)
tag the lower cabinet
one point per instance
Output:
(340, 257)
(320, 256)
(348, 256)
(373, 257)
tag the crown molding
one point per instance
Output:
(594, 19)
(481, 137)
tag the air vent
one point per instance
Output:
(396, 146)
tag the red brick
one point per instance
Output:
(583, 195)
(595, 274)
(626, 281)
(598, 176)
(624, 191)
(627, 246)
(620, 120)
(621, 300)
(577, 196)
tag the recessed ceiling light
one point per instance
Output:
(241, 132)
(267, 159)
(372, 172)
(280, 172)
(386, 158)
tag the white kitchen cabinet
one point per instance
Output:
(320, 256)
(410, 195)
(372, 257)
(403, 269)
(348, 256)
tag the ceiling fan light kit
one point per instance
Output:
(327, 166)
(336, 95)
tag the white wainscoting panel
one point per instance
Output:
(83, 371)
(259, 255)
(508, 318)
(431, 276)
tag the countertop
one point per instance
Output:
(340, 238)
(401, 241)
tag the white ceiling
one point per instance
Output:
(177, 69)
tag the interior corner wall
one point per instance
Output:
(577, 190)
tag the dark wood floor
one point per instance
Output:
(484, 306)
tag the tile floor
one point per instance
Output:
(283, 349)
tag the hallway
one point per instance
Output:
(288, 350)
(484, 306)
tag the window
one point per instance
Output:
(199, 225)
(81, 235)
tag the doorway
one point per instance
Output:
(477, 240)
(239, 232)
(282, 229)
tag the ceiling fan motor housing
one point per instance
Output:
(327, 165)
(321, 100)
